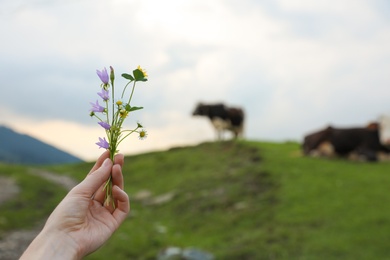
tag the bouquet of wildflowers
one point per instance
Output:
(113, 112)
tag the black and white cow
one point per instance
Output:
(223, 118)
(363, 142)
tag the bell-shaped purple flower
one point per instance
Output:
(103, 143)
(104, 125)
(96, 107)
(103, 75)
(104, 94)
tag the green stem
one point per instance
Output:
(97, 117)
(132, 91)
(124, 89)
(112, 101)
(123, 138)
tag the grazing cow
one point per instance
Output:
(313, 144)
(362, 142)
(222, 118)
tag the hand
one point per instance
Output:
(81, 223)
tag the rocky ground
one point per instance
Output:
(14, 243)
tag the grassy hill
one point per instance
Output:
(250, 200)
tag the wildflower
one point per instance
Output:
(119, 102)
(104, 94)
(143, 71)
(115, 112)
(123, 113)
(96, 107)
(142, 134)
(139, 75)
(103, 143)
(104, 125)
(103, 75)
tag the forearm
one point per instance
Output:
(51, 245)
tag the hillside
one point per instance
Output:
(17, 148)
(252, 200)
(249, 200)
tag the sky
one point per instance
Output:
(293, 66)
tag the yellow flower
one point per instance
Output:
(123, 113)
(142, 134)
(143, 71)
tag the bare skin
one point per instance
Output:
(81, 223)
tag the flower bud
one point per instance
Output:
(112, 75)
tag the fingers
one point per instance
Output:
(93, 184)
(100, 193)
(117, 176)
(117, 179)
(122, 206)
(119, 159)
(95, 179)
(99, 161)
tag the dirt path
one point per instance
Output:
(62, 180)
(15, 242)
(8, 189)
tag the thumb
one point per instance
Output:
(95, 179)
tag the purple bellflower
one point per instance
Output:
(103, 143)
(104, 94)
(96, 107)
(104, 125)
(103, 75)
(114, 111)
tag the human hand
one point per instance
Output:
(81, 223)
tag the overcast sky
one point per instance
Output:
(294, 66)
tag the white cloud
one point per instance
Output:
(293, 65)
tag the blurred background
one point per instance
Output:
(294, 66)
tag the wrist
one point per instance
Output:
(52, 245)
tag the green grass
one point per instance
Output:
(251, 200)
(330, 209)
(32, 204)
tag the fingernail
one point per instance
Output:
(106, 162)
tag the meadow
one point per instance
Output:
(235, 200)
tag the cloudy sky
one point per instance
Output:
(294, 66)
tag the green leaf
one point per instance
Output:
(130, 108)
(139, 75)
(135, 108)
(128, 76)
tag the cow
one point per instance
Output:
(361, 142)
(223, 118)
(313, 144)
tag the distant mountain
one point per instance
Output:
(18, 148)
